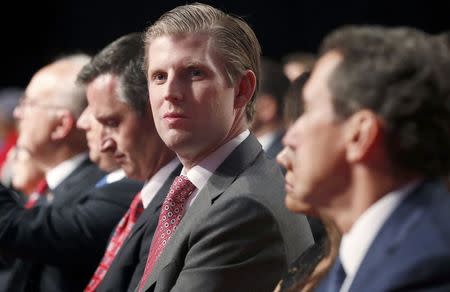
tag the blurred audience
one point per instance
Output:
(56, 243)
(295, 63)
(293, 101)
(26, 174)
(9, 98)
(267, 124)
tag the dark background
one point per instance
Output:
(34, 33)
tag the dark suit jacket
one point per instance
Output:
(128, 266)
(66, 239)
(276, 146)
(237, 235)
(411, 252)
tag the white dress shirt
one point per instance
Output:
(59, 173)
(114, 176)
(200, 173)
(267, 140)
(152, 186)
(356, 242)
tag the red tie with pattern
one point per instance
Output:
(39, 192)
(121, 232)
(172, 212)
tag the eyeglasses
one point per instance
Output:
(24, 102)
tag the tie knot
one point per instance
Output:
(181, 189)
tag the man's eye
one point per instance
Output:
(159, 77)
(111, 124)
(196, 73)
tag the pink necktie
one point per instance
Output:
(121, 232)
(172, 212)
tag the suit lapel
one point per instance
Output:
(391, 235)
(239, 160)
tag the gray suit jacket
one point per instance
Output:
(237, 235)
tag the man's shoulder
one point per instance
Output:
(414, 241)
(121, 192)
(431, 206)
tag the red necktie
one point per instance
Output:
(39, 192)
(172, 212)
(121, 232)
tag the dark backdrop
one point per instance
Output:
(35, 32)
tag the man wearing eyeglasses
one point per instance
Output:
(56, 245)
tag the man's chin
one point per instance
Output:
(296, 205)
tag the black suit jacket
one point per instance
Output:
(66, 239)
(276, 146)
(128, 266)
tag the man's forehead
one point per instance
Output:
(321, 74)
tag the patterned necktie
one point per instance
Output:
(39, 193)
(121, 232)
(172, 212)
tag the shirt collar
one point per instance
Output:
(357, 241)
(114, 176)
(267, 139)
(153, 185)
(200, 173)
(59, 173)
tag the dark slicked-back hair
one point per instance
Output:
(293, 100)
(273, 82)
(124, 58)
(233, 38)
(402, 75)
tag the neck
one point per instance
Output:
(58, 156)
(239, 126)
(164, 157)
(367, 188)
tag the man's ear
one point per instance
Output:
(363, 135)
(246, 87)
(64, 123)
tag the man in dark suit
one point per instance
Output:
(56, 245)
(118, 98)
(235, 235)
(268, 123)
(369, 151)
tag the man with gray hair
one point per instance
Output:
(223, 225)
(56, 244)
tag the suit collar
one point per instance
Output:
(58, 174)
(394, 231)
(356, 242)
(202, 172)
(239, 160)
